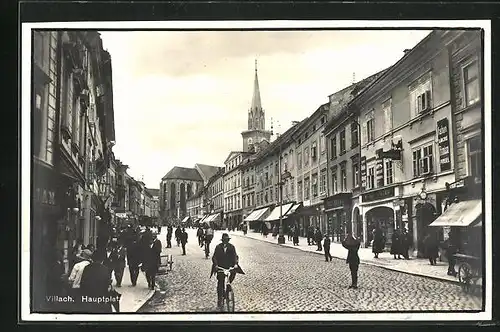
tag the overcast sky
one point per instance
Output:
(182, 98)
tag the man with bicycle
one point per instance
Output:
(224, 257)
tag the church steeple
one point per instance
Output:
(256, 103)
(256, 116)
(256, 132)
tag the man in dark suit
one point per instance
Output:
(152, 260)
(96, 283)
(134, 259)
(352, 245)
(225, 257)
(184, 239)
(117, 259)
(169, 236)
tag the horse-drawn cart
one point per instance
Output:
(469, 271)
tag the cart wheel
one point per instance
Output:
(465, 276)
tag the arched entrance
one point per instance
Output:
(384, 217)
(425, 213)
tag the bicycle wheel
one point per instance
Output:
(229, 299)
(465, 276)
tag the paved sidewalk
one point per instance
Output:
(415, 266)
(133, 298)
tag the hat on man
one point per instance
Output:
(225, 236)
(86, 254)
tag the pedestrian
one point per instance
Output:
(199, 234)
(326, 247)
(245, 229)
(318, 237)
(117, 259)
(151, 260)
(431, 245)
(96, 284)
(134, 259)
(75, 253)
(310, 236)
(178, 235)
(76, 276)
(184, 239)
(265, 229)
(405, 244)
(296, 236)
(451, 250)
(352, 245)
(396, 245)
(169, 236)
(378, 241)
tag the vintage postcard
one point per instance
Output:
(257, 170)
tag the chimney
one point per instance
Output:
(406, 51)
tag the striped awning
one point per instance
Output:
(257, 214)
(461, 214)
(185, 219)
(293, 209)
(275, 214)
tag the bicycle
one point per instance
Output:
(228, 297)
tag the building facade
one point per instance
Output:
(404, 116)
(342, 166)
(73, 132)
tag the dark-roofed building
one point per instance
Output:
(206, 171)
(176, 187)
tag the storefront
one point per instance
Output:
(462, 219)
(338, 215)
(311, 216)
(274, 216)
(379, 207)
(255, 218)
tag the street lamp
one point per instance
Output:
(281, 181)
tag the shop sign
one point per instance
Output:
(443, 136)
(379, 194)
(45, 196)
(333, 203)
(363, 171)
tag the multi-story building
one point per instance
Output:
(261, 181)
(465, 195)
(342, 166)
(311, 161)
(195, 206)
(405, 114)
(233, 211)
(73, 130)
(213, 200)
(154, 193)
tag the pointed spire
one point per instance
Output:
(256, 103)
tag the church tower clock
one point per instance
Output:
(256, 132)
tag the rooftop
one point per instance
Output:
(183, 173)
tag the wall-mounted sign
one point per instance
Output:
(363, 171)
(443, 136)
(378, 194)
(45, 196)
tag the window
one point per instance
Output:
(370, 130)
(420, 95)
(276, 168)
(323, 119)
(307, 188)
(39, 107)
(333, 147)
(474, 158)
(354, 134)
(299, 191)
(423, 162)
(285, 162)
(343, 177)
(471, 83)
(322, 143)
(342, 142)
(386, 107)
(67, 116)
(322, 181)
(306, 156)
(314, 185)
(355, 174)
(314, 151)
(290, 162)
(76, 122)
(271, 194)
(334, 181)
(388, 172)
(292, 188)
(371, 178)
(299, 160)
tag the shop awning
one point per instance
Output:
(293, 209)
(257, 214)
(212, 217)
(275, 214)
(460, 214)
(185, 219)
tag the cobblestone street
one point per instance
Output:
(285, 279)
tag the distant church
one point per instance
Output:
(256, 136)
